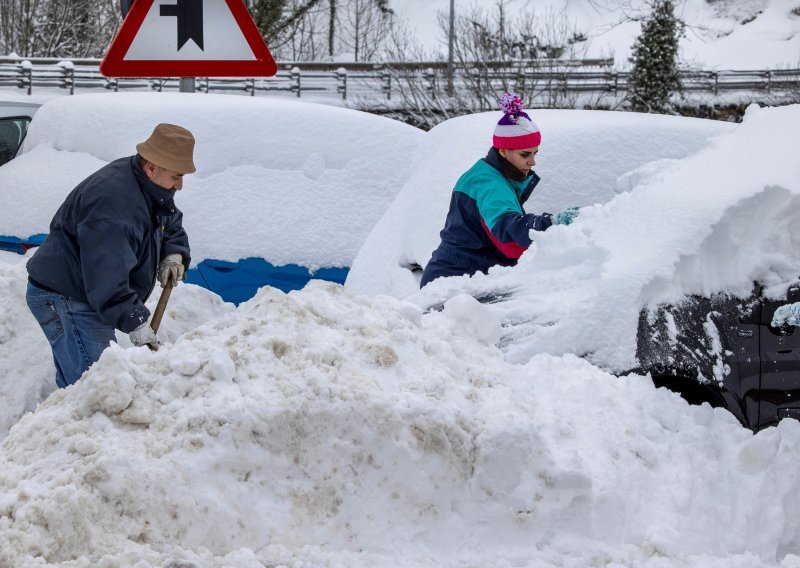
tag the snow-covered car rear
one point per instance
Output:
(284, 191)
(724, 350)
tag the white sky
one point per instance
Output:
(725, 34)
(344, 427)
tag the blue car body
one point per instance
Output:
(234, 282)
(238, 281)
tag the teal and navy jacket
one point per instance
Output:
(486, 224)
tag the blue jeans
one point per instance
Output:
(76, 333)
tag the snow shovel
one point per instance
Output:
(155, 322)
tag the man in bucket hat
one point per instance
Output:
(115, 233)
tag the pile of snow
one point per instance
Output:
(585, 157)
(270, 172)
(27, 374)
(727, 34)
(321, 428)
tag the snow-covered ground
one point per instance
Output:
(722, 34)
(344, 428)
(324, 428)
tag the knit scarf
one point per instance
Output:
(511, 171)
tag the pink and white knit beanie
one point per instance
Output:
(516, 130)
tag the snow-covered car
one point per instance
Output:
(674, 266)
(586, 157)
(15, 117)
(284, 190)
(724, 350)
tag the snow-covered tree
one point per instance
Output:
(654, 78)
(55, 28)
(364, 25)
(495, 50)
(278, 19)
(310, 30)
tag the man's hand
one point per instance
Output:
(170, 268)
(143, 335)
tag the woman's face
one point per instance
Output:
(523, 160)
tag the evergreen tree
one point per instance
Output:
(275, 18)
(57, 28)
(655, 61)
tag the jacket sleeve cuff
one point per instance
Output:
(136, 317)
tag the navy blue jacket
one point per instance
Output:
(486, 224)
(106, 241)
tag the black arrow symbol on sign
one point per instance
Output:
(190, 20)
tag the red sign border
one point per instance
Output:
(114, 64)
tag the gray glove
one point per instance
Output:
(171, 267)
(143, 335)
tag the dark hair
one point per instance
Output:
(141, 160)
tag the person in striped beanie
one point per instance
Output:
(487, 224)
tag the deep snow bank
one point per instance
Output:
(323, 428)
(27, 374)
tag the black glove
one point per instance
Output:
(542, 222)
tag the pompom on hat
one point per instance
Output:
(516, 130)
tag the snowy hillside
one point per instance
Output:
(722, 34)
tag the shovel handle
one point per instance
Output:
(161, 307)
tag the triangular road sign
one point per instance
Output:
(188, 38)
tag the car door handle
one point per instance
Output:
(784, 351)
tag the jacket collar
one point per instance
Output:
(160, 199)
(493, 159)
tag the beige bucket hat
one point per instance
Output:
(170, 147)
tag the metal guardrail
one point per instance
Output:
(384, 80)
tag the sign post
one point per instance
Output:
(188, 39)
